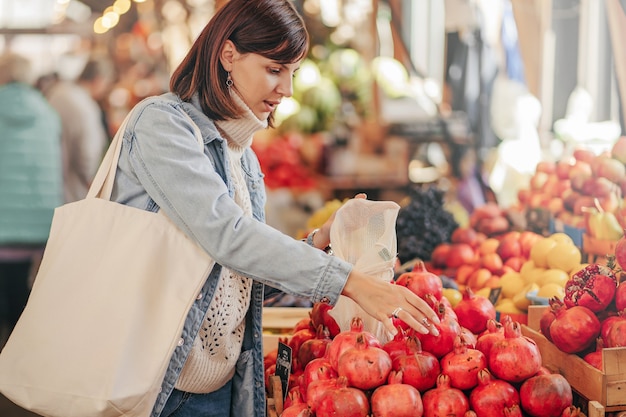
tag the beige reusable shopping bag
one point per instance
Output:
(106, 310)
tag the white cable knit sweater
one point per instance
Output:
(217, 346)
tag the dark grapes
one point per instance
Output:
(423, 224)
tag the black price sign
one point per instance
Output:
(494, 294)
(283, 366)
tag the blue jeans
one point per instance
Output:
(187, 404)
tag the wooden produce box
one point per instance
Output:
(605, 390)
(279, 322)
(596, 250)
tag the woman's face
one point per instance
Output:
(262, 83)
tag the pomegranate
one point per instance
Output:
(448, 328)
(469, 338)
(421, 281)
(620, 252)
(320, 316)
(316, 389)
(548, 316)
(492, 396)
(462, 365)
(419, 369)
(593, 287)
(516, 357)
(605, 325)
(513, 411)
(347, 339)
(616, 333)
(493, 333)
(444, 400)
(318, 368)
(364, 366)
(397, 345)
(574, 329)
(314, 348)
(396, 399)
(295, 342)
(620, 296)
(473, 311)
(546, 395)
(343, 401)
(595, 358)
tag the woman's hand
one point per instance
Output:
(321, 239)
(382, 300)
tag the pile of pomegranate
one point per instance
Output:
(477, 366)
(592, 315)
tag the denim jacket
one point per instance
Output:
(162, 166)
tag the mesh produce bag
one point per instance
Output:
(364, 234)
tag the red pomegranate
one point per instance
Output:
(595, 358)
(462, 365)
(620, 296)
(448, 328)
(620, 253)
(420, 281)
(396, 399)
(418, 368)
(574, 329)
(516, 357)
(593, 287)
(493, 396)
(343, 401)
(320, 316)
(473, 311)
(546, 395)
(365, 367)
(314, 348)
(494, 332)
(616, 333)
(347, 339)
(444, 400)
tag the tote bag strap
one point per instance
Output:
(102, 184)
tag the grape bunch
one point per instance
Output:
(423, 224)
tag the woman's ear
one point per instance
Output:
(227, 55)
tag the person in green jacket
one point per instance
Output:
(31, 184)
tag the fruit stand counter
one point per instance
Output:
(605, 391)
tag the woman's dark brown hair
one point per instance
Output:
(271, 28)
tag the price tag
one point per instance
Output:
(494, 294)
(283, 366)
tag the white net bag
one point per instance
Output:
(364, 234)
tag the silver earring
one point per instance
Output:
(229, 80)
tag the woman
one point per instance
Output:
(230, 82)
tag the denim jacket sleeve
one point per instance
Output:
(162, 164)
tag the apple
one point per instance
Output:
(580, 172)
(562, 169)
(460, 254)
(538, 180)
(618, 151)
(548, 167)
(555, 205)
(610, 168)
(584, 155)
(509, 247)
(465, 235)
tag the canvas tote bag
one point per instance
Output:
(106, 310)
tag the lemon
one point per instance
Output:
(539, 251)
(564, 256)
(511, 283)
(507, 306)
(551, 290)
(520, 300)
(452, 295)
(561, 237)
(553, 275)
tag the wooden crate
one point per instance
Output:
(607, 388)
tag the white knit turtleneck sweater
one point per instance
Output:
(216, 348)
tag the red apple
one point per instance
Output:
(460, 254)
(465, 235)
(610, 168)
(584, 155)
(509, 247)
(562, 169)
(548, 167)
(580, 172)
(538, 180)
(618, 151)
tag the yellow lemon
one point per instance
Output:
(539, 251)
(507, 306)
(551, 290)
(564, 256)
(511, 283)
(520, 300)
(553, 275)
(561, 237)
(452, 295)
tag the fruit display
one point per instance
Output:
(585, 191)
(494, 372)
